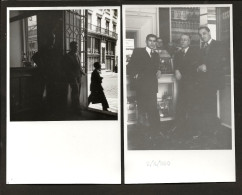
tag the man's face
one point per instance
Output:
(204, 35)
(74, 48)
(151, 42)
(185, 41)
(159, 43)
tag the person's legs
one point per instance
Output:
(152, 112)
(141, 104)
(104, 101)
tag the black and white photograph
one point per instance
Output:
(64, 65)
(63, 94)
(178, 86)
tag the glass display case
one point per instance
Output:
(166, 99)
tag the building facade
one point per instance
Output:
(102, 38)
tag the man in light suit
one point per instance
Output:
(143, 69)
(74, 73)
(185, 65)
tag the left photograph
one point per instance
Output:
(63, 95)
(64, 64)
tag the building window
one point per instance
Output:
(98, 25)
(107, 11)
(89, 44)
(89, 21)
(97, 46)
(110, 48)
(107, 27)
(114, 28)
(93, 45)
(115, 12)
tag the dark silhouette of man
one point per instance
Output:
(97, 95)
(143, 70)
(48, 60)
(74, 74)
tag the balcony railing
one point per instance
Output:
(103, 31)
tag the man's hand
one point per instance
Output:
(202, 68)
(178, 75)
(158, 74)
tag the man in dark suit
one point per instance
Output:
(210, 79)
(185, 65)
(143, 69)
(74, 73)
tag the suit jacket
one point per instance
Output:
(144, 68)
(214, 58)
(96, 81)
(48, 62)
(187, 65)
(72, 67)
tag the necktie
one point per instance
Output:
(152, 52)
(205, 48)
(183, 52)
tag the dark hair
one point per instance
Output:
(150, 35)
(186, 34)
(73, 43)
(204, 27)
(97, 65)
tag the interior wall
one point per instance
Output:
(164, 21)
(143, 21)
(16, 44)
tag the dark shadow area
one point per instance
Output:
(69, 115)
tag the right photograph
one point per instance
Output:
(178, 76)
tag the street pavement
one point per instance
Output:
(110, 86)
